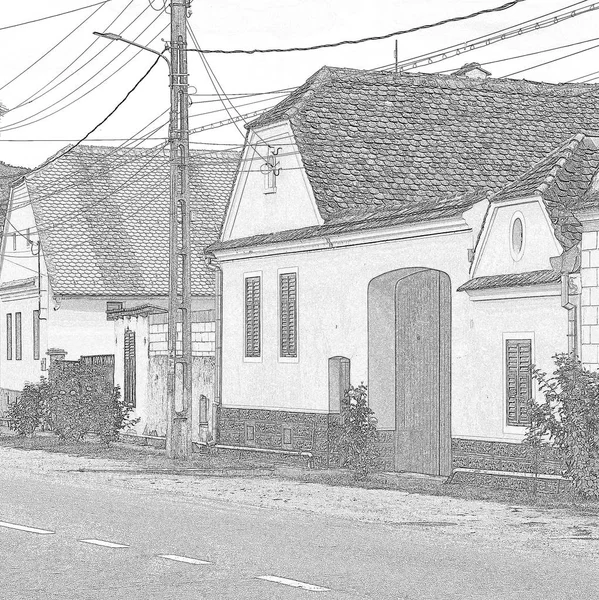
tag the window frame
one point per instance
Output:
(517, 255)
(36, 334)
(9, 337)
(510, 428)
(280, 273)
(18, 336)
(258, 357)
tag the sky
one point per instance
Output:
(54, 102)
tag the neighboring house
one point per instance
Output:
(418, 231)
(100, 218)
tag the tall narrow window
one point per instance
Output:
(288, 312)
(18, 337)
(14, 241)
(9, 336)
(36, 335)
(519, 381)
(252, 316)
(130, 379)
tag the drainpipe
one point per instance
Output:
(211, 263)
(567, 263)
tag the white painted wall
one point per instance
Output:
(494, 256)
(291, 207)
(332, 318)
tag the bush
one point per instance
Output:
(357, 433)
(568, 417)
(71, 410)
(28, 413)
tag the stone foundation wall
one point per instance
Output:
(280, 430)
(501, 456)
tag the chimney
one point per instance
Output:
(473, 70)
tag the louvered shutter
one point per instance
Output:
(288, 287)
(252, 316)
(519, 380)
(130, 382)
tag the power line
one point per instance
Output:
(68, 12)
(36, 95)
(66, 37)
(79, 142)
(548, 62)
(23, 123)
(500, 35)
(506, 6)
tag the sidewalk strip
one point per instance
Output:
(27, 529)
(184, 559)
(293, 583)
(103, 543)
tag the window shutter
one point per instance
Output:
(130, 376)
(519, 380)
(288, 286)
(252, 316)
(9, 336)
(18, 337)
(36, 335)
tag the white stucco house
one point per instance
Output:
(423, 234)
(86, 238)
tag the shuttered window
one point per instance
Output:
(36, 335)
(519, 380)
(18, 337)
(130, 378)
(288, 312)
(252, 316)
(9, 336)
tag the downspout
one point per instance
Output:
(568, 263)
(211, 263)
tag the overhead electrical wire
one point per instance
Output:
(549, 62)
(48, 52)
(37, 94)
(26, 122)
(528, 26)
(67, 12)
(503, 7)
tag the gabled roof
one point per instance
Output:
(373, 138)
(8, 173)
(103, 216)
(363, 219)
(564, 180)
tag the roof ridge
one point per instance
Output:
(569, 147)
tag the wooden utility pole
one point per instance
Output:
(179, 376)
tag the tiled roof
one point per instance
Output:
(511, 280)
(564, 181)
(142, 310)
(371, 138)
(362, 219)
(8, 173)
(103, 218)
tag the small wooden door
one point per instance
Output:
(423, 373)
(129, 368)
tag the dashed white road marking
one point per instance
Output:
(103, 543)
(184, 559)
(24, 528)
(293, 583)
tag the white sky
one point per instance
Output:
(234, 24)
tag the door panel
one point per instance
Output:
(418, 358)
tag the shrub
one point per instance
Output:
(357, 433)
(568, 417)
(28, 413)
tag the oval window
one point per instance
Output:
(517, 237)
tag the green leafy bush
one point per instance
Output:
(357, 435)
(568, 418)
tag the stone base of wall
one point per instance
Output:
(502, 456)
(280, 430)
(512, 482)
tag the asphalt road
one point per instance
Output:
(238, 545)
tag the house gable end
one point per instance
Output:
(265, 202)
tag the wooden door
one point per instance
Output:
(422, 373)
